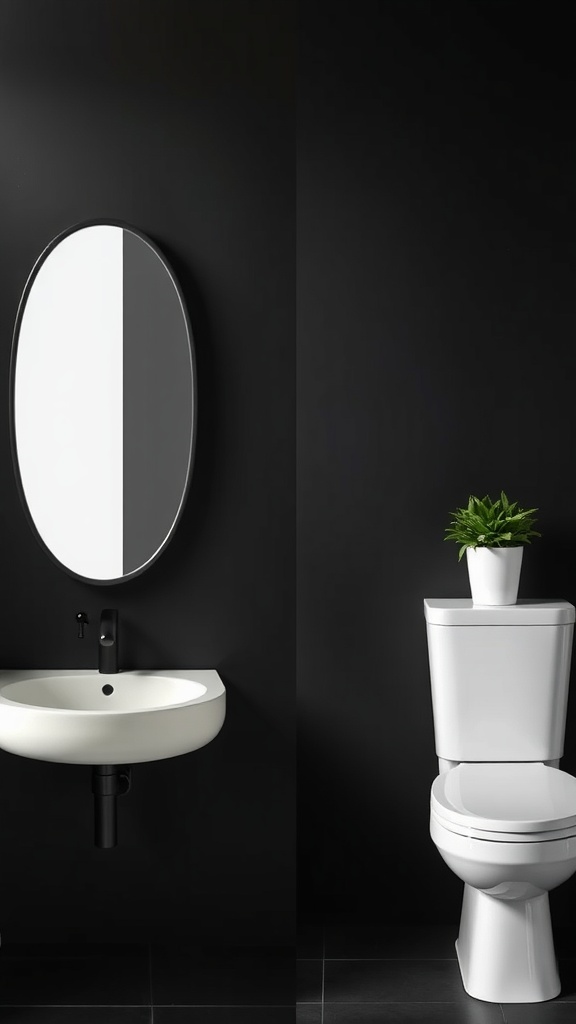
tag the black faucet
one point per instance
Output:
(108, 642)
(82, 620)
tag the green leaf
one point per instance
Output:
(491, 523)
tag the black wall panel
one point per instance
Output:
(436, 268)
(436, 358)
(177, 118)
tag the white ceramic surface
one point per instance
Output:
(513, 797)
(502, 869)
(508, 830)
(461, 611)
(66, 715)
(505, 949)
(494, 574)
(499, 692)
(505, 946)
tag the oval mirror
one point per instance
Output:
(103, 401)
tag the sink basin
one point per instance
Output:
(79, 716)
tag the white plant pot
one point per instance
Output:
(494, 574)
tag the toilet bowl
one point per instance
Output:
(508, 830)
(502, 817)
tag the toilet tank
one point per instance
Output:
(499, 678)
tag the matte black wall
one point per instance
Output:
(177, 118)
(436, 358)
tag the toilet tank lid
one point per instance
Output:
(459, 611)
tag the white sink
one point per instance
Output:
(71, 716)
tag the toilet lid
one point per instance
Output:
(506, 797)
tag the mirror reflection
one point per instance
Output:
(103, 401)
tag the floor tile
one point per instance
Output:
(102, 976)
(310, 1013)
(553, 1012)
(75, 1015)
(412, 1013)
(224, 1015)
(186, 976)
(308, 981)
(352, 940)
(384, 981)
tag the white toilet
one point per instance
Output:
(503, 816)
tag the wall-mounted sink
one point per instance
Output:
(80, 716)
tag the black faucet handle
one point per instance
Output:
(108, 626)
(82, 620)
(108, 641)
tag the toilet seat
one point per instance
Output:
(502, 837)
(506, 802)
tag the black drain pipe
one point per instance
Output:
(109, 781)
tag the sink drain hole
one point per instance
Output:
(107, 690)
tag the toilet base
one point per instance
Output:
(505, 949)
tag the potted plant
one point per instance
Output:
(492, 533)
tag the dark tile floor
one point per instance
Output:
(364, 973)
(145, 985)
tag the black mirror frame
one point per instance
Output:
(22, 304)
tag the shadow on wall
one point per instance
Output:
(367, 838)
(174, 863)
